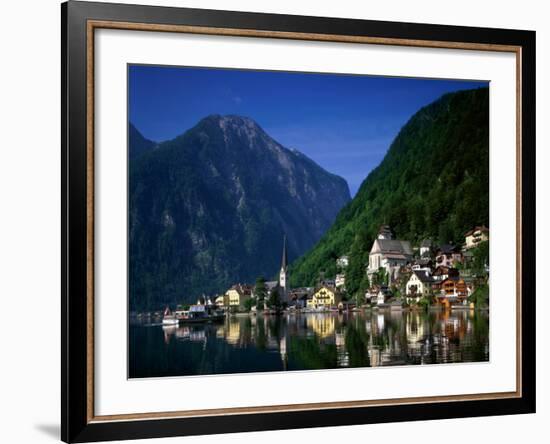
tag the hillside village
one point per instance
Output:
(399, 275)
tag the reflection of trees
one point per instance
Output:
(309, 353)
(357, 340)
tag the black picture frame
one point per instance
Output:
(77, 327)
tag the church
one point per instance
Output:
(388, 253)
(284, 277)
(283, 283)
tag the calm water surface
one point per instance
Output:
(309, 341)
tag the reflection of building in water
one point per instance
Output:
(415, 331)
(380, 322)
(414, 327)
(322, 325)
(283, 352)
(233, 332)
(342, 355)
(374, 356)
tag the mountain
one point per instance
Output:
(137, 144)
(210, 208)
(432, 183)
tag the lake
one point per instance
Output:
(249, 343)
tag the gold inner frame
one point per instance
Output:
(92, 25)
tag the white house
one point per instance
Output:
(419, 284)
(475, 236)
(340, 280)
(425, 247)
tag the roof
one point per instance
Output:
(242, 289)
(270, 285)
(481, 228)
(284, 259)
(394, 246)
(445, 270)
(423, 276)
(395, 256)
(448, 249)
(424, 261)
(426, 243)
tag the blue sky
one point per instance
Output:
(345, 123)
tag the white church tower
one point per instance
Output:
(283, 274)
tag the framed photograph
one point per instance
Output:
(276, 221)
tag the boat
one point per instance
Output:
(201, 313)
(169, 318)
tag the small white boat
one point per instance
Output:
(169, 318)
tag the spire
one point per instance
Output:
(284, 260)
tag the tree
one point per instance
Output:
(275, 299)
(260, 291)
(248, 304)
(380, 277)
(480, 259)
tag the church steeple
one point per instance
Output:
(283, 274)
(284, 259)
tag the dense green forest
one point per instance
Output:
(432, 183)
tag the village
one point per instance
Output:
(400, 276)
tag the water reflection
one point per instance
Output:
(309, 341)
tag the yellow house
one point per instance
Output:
(237, 295)
(324, 297)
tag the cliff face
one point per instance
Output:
(210, 207)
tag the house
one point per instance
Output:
(219, 301)
(324, 297)
(418, 285)
(342, 262)
(377, 294)
(340, 280)
(475, 236)
(453, 290)
(383, 295)
(447, 255)
(237, 295)
(388, 253)
(442, 273)
(425, 247)
(423, 264)
(298, 296)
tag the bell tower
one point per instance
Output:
(283, 274)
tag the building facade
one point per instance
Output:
(388, 253)
(475, 236)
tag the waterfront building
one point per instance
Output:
(237, 295)
(418, 285)
(324, 297)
